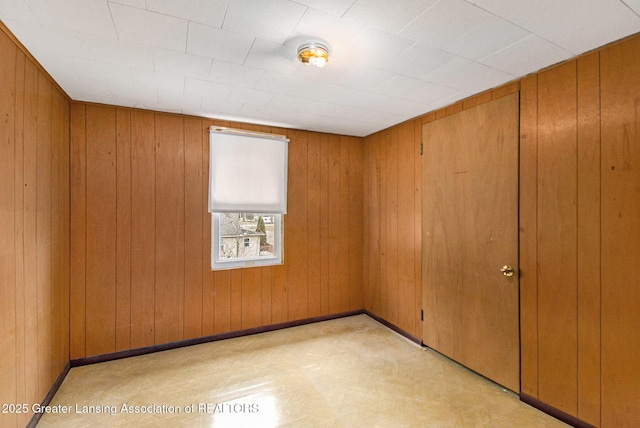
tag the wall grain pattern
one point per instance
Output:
(34, 230)
(154, 284)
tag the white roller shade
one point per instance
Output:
(247, 172)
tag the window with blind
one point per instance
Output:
(247, 197)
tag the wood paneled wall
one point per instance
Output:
(141, 234)
(392, 216)
(579, 231)
(580, 169)
(34, 230)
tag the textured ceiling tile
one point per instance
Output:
(92, 90)
(16, 10)
(266, 19)
(444, 22)
(490, 36)
(432, 93)
(250, 96)
(388, 15)
(576, 25)
(65, 67)
(289, 103)
(417, 61)
(235, 74)
(468, 76)
(91, 17)
(366, 78)
(141, 26)
(172, 62)
(273, 57)
(59, 40)
(334, 7)
(288, 85)
(150, 79)
(634, 5)
(221, 108)
(140, 4)
(210, 12)
(179, 102)
(218, 44)
(527, 55)
(206, 88)
(116, 51)
(401, 86)
(374, 74)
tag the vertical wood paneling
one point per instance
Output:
(529, 236)
(222, 311)
(391, 229)
(384, 283)
(208, 288)
(356, 227)
(77, 301)
(236, 299)
(143, 228)
(372, 232)
(44, 285)
(169, 285)
(158, 183)
(343, 226)
(194, 207)
(313, 225)
(123, 229)
(34, 234)
(324, 224)
(335, 212)
(56, 308)
(8, 392)
(417, 231)
(101, 231)
(589, 239)
(30, 222)
(280, 280)
(19, 223)
(406, 212)
(266, 287)
(251, 297)
(297, 226)
(557, 237)
(620, 210)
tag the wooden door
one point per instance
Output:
(469, 232)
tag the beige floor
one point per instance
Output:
(350, 372)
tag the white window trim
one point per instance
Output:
(219, 264)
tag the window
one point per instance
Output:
(247, 198)
(246, 239)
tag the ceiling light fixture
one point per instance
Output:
(314, 53)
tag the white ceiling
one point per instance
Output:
(236, 59)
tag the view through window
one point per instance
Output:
(247, 235)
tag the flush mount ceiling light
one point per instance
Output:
(313, 53)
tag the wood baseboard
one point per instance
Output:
(206, 339)
(394, 327)
(47, 399)
(552, 411)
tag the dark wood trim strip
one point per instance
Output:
(393, 327)
(206, 339)
(47, 399)
(556, 413)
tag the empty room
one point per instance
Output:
(312, 213)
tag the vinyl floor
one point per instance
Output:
(348, 372)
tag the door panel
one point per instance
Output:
(469, 231)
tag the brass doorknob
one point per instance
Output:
(507, 270)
